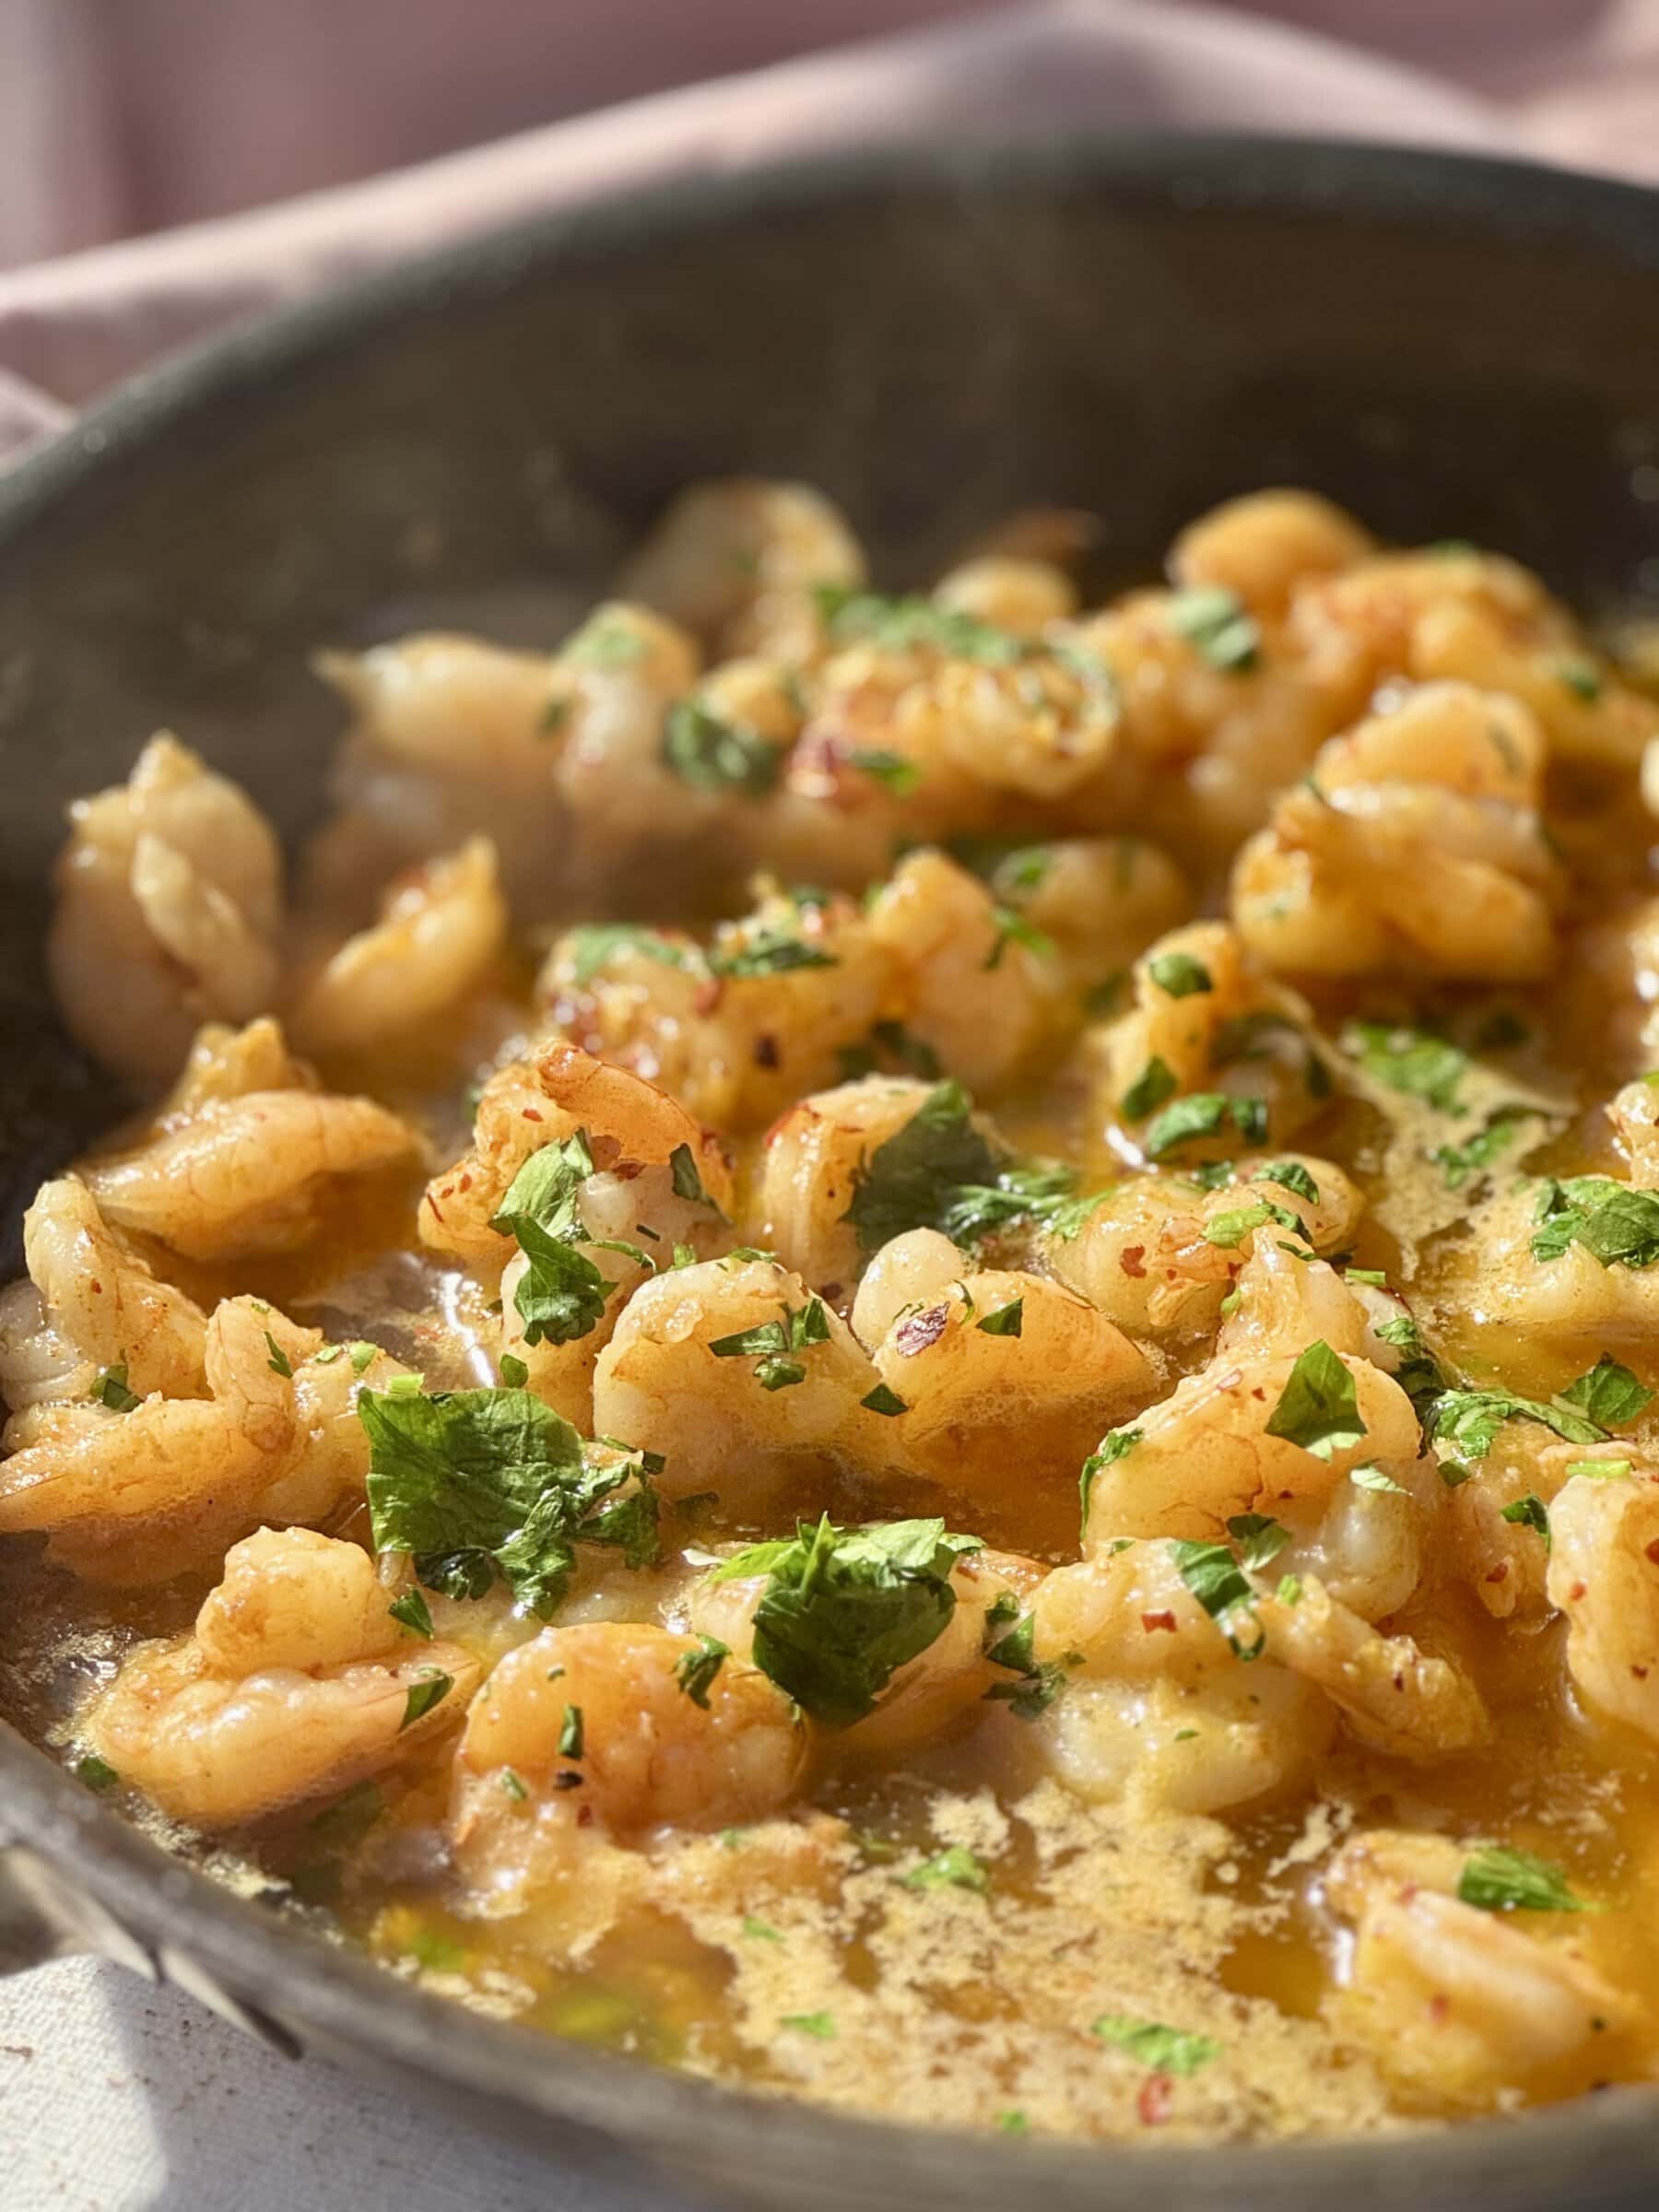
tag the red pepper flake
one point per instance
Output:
(831, 1291)
(1641, 1673)
(1498, 1574)
(449, 1190)
(1577, 1591)
(921, 1329)
(437, 1210)
(532, 1113)
(709, 994)
(1151, 1621)
(1440, 2007)
(1132, 1259)
(766, 1051)
(467, 1181)
(1156, 2099)
(98, 1286)
(1653, 1552)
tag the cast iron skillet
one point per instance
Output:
(1140, 326)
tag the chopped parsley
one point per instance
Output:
(96, 1773)
(424, 1692)
(903, 624)
(572, 1734)
(1202, 1114)
(515, 1373)
(696, 1670)
(1529, 1512)
(759, 1930)
(1036, 1682)
(844, 1608)
(606, 641)
(1318, 1407)
(1581, 676)
(412, 1612)
(596, 944)
(1004, 1321)
(1165, 2050)
(481, 1484)
(1499, 1880)
(1216, 621)
(1458, 1162)
(1216, 1580)
(1290, 1175)
(1155, 1083)
(939, 1173)
(819, 2025)
(1115, 1446)
(884, 1401)
(1178, 974)
(1609, 1394)
(1260, 1539)
(711, 754)
(110, 1390)
(1372, 1478)
(954, 1868)
(561, 1294)
(1012, 928)
(1616, 1223)
(1469, 1420)
(768, 951)
(1229, 1229)
(1600, 1470)
(279, 1363)
(770, 1344)
(1412, 1062)
(900, 775)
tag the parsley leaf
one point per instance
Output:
(844, 1609)
(1217, 622)
(481, 1483)
(1216, 1580)
(819, 2025)
(695, 1672)
(710, 754)
(1165, 2050)
(1112, 1447)
(1498, 1881)
(1469, 1420)
(1458, 1162)
(1178, 974)
(1530, 1512)
(1609, 1394)
(769, 952)
(1229, 1229)
(1410, 1061)
(96, 1773)
(1318, 1407)
(900, 774)
(1038, 1682)
(1260, 1538)
(899, 625)
(884, 1401)
(596, 944)
(110, 1390)
(939, 1173)
(412, 1612)
(1202, 1114)
(1290, 1175)
(1004, 1321)
(424, 1692)
(954, 1868)
(1155, 1083)
(1614, 1223)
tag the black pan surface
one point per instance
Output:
(1454, 348)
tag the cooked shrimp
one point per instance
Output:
(1416, 848)
(1158, 1709)
(737, 1036)
(1019, 595)
(168, 900)
(940, 1687)
(1261, 546)
(742, 1378)
(811, 1171)
(249, 1174)
(442, 929)
(1459, 2006)
(134, 1497)
(1159, 1254)
(1394, 1696)
(1207, 1019)
(971, 991)
(1204, 1455)
(1101, 901)
(1604, 1574)
(1006, 1379)
(735, 560)
(647, 1753)
(634, 1131)
(90, 1304)
(451, 738)
(291, 1688)
(623, 670)
(226, 1063)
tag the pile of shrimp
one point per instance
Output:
(1015, 1133)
